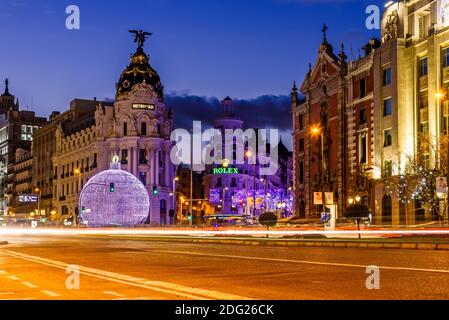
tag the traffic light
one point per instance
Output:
(111, 187)
(155, 191)
(189, 217)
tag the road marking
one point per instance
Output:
(50, 293)
(113, 294)
(14, 278)
(29, 284)
(3, 272)
(333, 264)
(160, 286)
(7, 293)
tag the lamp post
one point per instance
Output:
(39, 193)
(77, 173)
(249, 154)
(315, 131)
(174, 194)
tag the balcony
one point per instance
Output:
(423, 82)
(446, 74)
(143, 161)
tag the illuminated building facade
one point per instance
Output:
(136, 127)
(319, 131)
(240, 189)
(415, 50)
(20, 182)
(396, 102)
(16, 131)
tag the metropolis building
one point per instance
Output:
(136, 127)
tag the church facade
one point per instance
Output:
(136, 127)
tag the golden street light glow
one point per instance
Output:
(77, 171)
(315, 130)
(439, 95)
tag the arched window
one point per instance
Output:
(125, 129)
(143, 128)
(233, 183)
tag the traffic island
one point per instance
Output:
(391, 244)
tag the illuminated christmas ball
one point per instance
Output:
(114, 198)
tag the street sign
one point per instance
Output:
(441, 185)
(317, 198)
(28, 198)
(325, 217)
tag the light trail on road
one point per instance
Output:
(213, 233)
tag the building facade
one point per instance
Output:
(319, 132)
(136, 128)
(20, 183)
(16, 131)
(240, 189)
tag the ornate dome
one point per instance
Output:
(114, 198)
(139, 71)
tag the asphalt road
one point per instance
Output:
(46, 267)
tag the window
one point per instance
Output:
(142, 156)
(388, 108)
(388, 139)
(426, 160)
(233, 183)
(423, 99)
(125, 129)
(301, 145)
(363, 148)
(362, 116)
(423, 25)
(362, 88)
(387, 76)
(446, 57)
(423, 67)
(124, 159)
(424, 127)
(144, 129)
(219, 183)
(388, 168)
(143, 178)
(301, 122)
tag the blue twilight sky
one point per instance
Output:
(205, 48)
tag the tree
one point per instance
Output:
(416, 178)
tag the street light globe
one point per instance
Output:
(114, 198)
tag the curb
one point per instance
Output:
(302, 243)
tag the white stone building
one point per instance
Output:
(136, 128)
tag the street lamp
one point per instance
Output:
(39, 192)
(77, 173)
(173, 194)
(249, 154)
(315, 131)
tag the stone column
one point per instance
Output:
(156, 161)
(135, 161)
(151, 164)
(168, 177)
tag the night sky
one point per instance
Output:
(251, 50)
